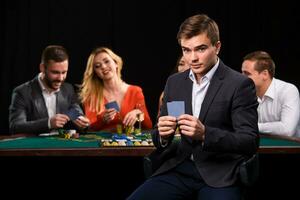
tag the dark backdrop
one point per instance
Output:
(143, 33)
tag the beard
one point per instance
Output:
(50, 83)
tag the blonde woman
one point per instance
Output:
(102, 84)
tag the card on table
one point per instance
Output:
(112, 104)
(175, 108)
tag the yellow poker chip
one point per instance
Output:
(114, 144)
(151, 144)
(67, 136)
(137, 143)
(106, 143)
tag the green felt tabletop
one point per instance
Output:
(89, 140)
(84, 141)
(93, 140)
(47, 142)
(277, 142)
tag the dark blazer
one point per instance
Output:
(229, 113)
(28, 112)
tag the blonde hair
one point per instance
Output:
(91, 89)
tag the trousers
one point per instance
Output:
(182, 182)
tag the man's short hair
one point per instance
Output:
(263, 61)
(196, 25)
(54, 53)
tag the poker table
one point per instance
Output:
(90, 145)
(83, 163)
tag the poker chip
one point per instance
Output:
(137, 143)
(76, 135)
(124, 140)
(124, 143)
(67, 135)
(109, 139)
(114, 143)
(145, 143)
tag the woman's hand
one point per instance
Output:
(132, 117)
(109, 115)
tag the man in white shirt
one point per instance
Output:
(279, 103)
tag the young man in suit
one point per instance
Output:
(46, 103)
(219, 127)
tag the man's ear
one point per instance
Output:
(266, 74)
(218, 46)
(42, 68)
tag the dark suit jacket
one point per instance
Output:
(229, 113)
(28, 112)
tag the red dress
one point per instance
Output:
(133, 99)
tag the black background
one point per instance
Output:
(143, 33)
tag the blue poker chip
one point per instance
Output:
(129, 143)
(119, 137)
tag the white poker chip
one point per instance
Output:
(145, 143)
(122, 143)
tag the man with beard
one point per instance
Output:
(46, 103)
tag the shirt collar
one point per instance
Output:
(208, 75)
(271, 90)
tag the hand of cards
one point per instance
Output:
(175, 108)
(73, 114)
(112, 104)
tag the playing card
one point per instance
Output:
(73, 114)
(175, 108)
(112, 104)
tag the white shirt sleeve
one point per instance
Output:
(288, 108)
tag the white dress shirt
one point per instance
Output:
(50, 100)
(199, 92)
(200, 89)
(279, 109)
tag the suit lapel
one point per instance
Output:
(38, 99)
(215, 85)
(62, 102)
(58, 101)
(187, 93)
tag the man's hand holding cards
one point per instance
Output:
(175, 108)
(167, 124)
(78, 118)
(73, 114)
